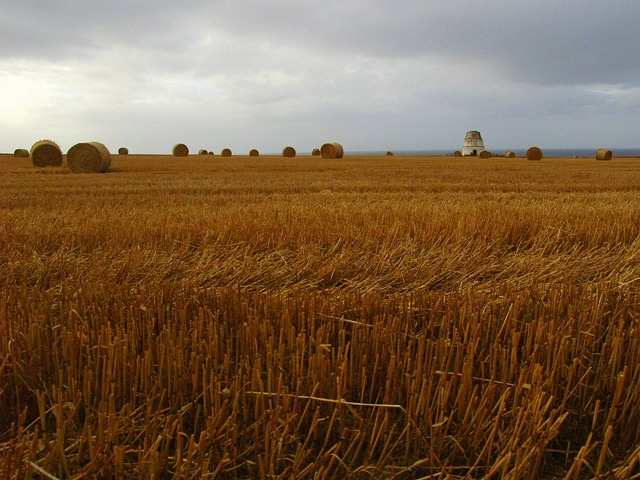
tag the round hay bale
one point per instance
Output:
(21, 153)
(603, 154)
(289, 152)
(211, 153)
(254, 153)
(315, 152)
(485, 154)
(46, 153)
(202, 151)
(534, 153)
(510, 155)
(226, 152)
(123, 151)
(91, 157)
(180, 150)
(331, 150)
(457, 153)
(389, 154)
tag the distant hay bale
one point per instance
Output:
(21, 153)
(226, 152)
(254, 153)
(603, 154)
(534, 153)
(457, 153)
(289, 152)
(211, 153)
(180, 150)
(485, 154)
(46, 153)
(91, 157)
(389, 154)
(123, 151)
(315, 151)
(331, 150)
(510, 155)
(202, 151)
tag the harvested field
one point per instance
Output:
(367, 317)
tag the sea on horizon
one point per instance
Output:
(520, 152)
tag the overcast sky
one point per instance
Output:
(370, 74)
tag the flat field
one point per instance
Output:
(369, 317)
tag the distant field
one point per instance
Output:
(368, 317)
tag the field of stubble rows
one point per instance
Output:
(368, 317)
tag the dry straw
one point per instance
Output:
(603, 154)
(21, 153)
(315, 151)
(332, 150)
(91, 157)
(46, 153)
(534, 153)
(288, 152)
(510, 155)
(180, 150)
(485, 154)
(254, 153)
(226, 152)
(123, 151)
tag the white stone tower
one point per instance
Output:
(473, 143)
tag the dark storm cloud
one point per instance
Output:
(538, 42)
(570, 42)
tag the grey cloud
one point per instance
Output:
(376, 72)
(554, 43)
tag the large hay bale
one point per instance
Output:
(315, 152)
(457, 153)
(254, 153)
(226, 152)
(331, 150)
(510, 155)
(91, 157)
(46, 153)
(123, 151)
(603, 154)
(485, 154)
(180, 150)
(389, 153)
(21, 153)
(534, 153)
(289, 152)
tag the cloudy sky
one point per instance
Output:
(370, 74)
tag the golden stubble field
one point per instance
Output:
(369, 317)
